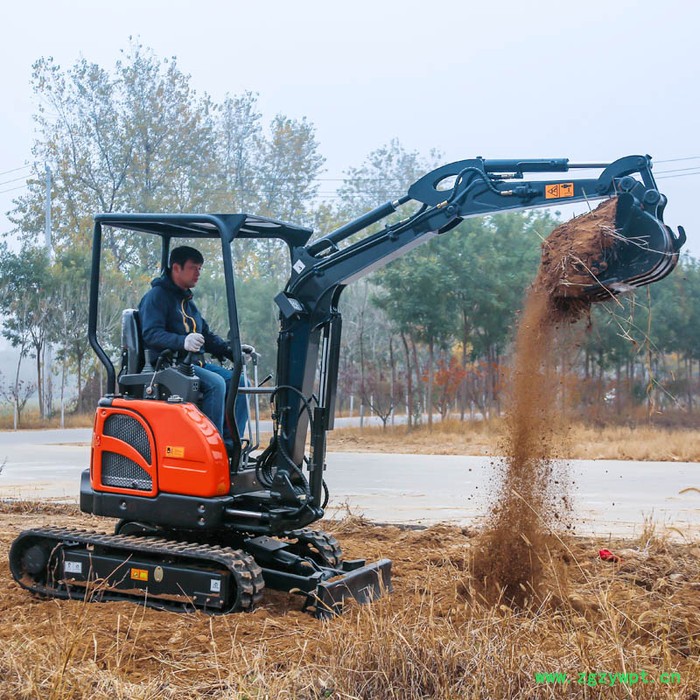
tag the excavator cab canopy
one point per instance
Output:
(169, 227)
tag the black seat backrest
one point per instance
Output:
(132, 343)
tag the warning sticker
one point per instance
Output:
(73, 567)
(139, 574)
(215, 585)
(559, 190)
(171, 451)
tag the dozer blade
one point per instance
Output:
(364, 585)
(643, 250)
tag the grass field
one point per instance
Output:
(580, 441)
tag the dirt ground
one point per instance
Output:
(431, 638)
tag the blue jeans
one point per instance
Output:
(213, 382)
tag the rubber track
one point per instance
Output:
(244, 570)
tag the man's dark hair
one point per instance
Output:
(183, 253)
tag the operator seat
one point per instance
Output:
(133, 358)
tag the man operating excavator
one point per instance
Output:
(170, 320)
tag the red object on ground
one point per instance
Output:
(607, 555)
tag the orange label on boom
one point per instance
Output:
(139, 574)
(559, 190)
(171, 451)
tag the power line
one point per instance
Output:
(678, 170)
(357, 179)
(660, 175)
(675, 160)
(14, 170)
(670, 177)
(12, 189)
(17, 179)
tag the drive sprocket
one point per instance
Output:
(319, 546)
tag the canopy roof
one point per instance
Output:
(228, 226)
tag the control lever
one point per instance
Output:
(185, 365)
(165, 356)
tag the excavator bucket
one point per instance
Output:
(645, 249)
(616, 248)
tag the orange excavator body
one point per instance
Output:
(185, 455)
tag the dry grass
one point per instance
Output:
(643, 443)
(31, 420)
(431, 638)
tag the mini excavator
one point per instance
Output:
(203, 528)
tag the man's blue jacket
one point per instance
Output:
(168, 314)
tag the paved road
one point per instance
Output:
(609, 497)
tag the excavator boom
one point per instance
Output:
(645, 251)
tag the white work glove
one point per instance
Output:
(194, 342)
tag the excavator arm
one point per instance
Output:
(645, 250)
(480, 187)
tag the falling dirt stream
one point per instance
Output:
(522, 541)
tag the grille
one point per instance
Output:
(122, 472)
(130, 431)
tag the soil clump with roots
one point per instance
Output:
(573, 256)
(516, 560)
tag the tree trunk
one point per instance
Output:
(362, 356)
(492, 389)
(39, 381)
(419, 386)
(431, 352)
(392, 390)
(16, 415)
(79, 358)
(651, 403)
(496, 378)
(63, 391)
(409, 382)
(463, 392)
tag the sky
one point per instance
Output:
(589, 81)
